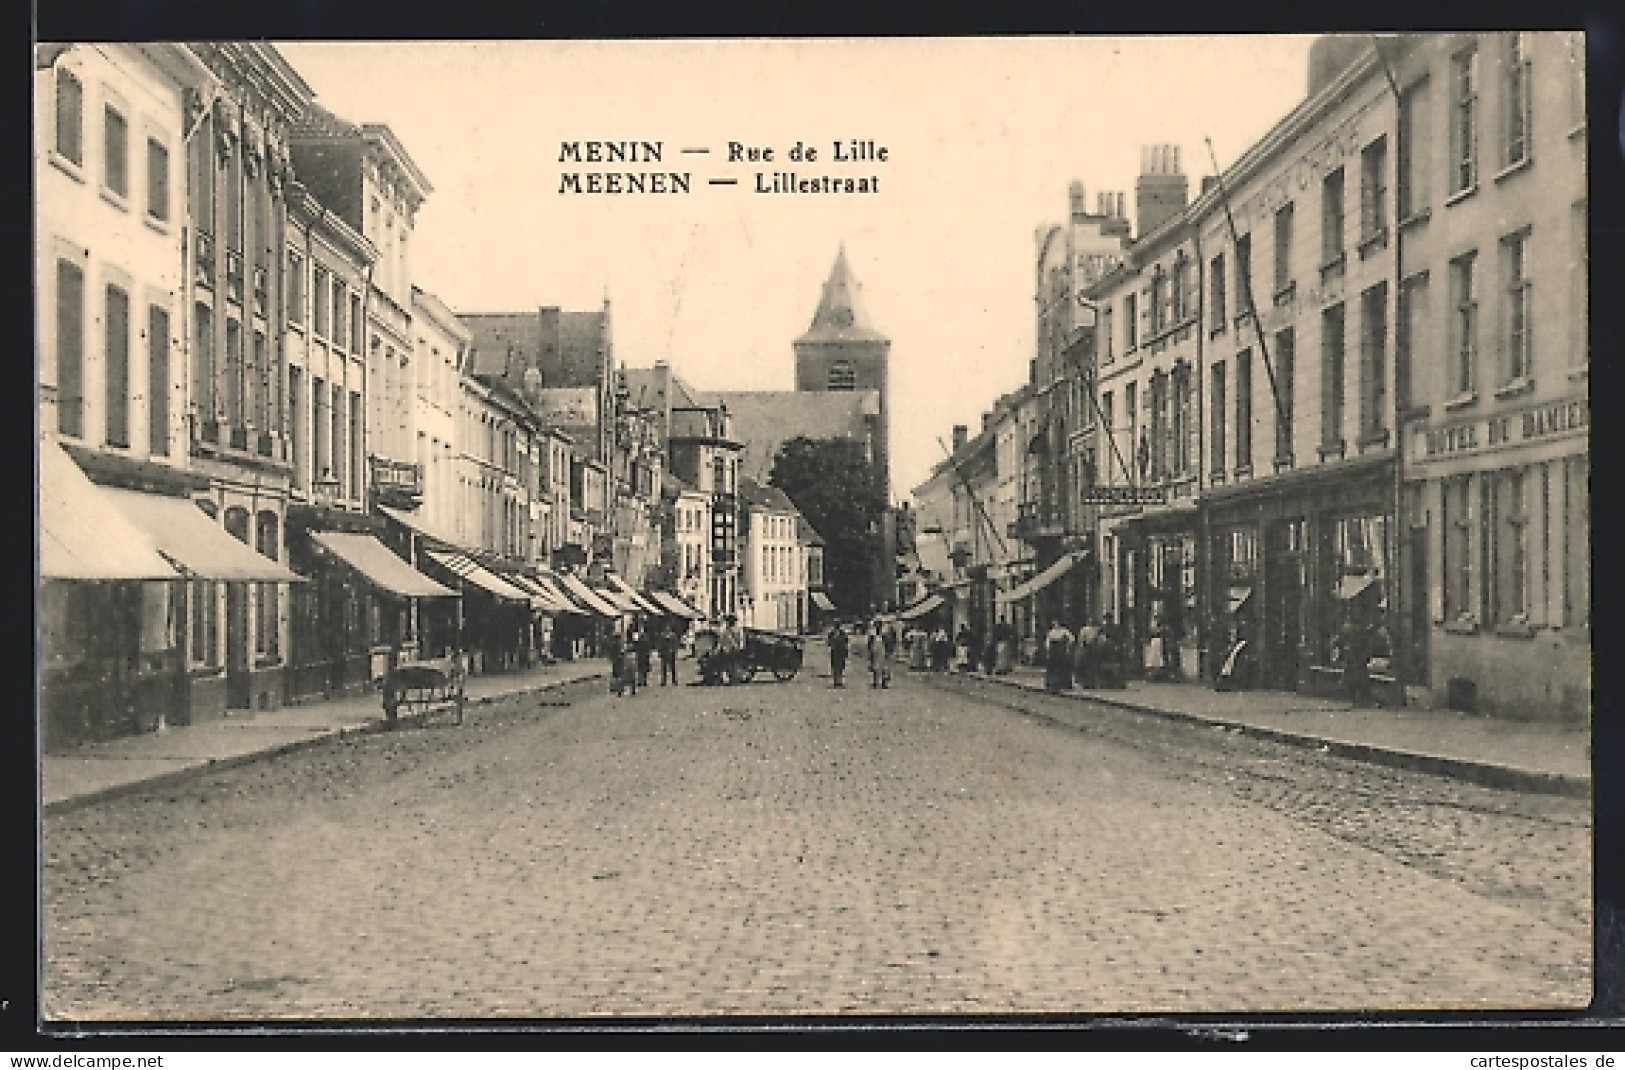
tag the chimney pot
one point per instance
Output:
(961, 436)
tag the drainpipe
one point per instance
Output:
(1204, 571)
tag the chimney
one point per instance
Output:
(532, 384)
(987, 421)
(1208, 182)
(1331, 55)
(1162, 189)
(961, 436)
(1076, 201)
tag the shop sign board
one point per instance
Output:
(1125, 496)
(1552, 420)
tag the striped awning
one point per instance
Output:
(466, 569)
(642, 602)
(921, 608)
(1043, 579)
(551, 583)
(541, 599)
(675, 605)
(586, 596)
(821, 600)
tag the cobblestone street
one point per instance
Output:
(784, 848)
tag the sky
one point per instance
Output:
(982, 135)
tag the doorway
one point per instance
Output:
(1285, 594)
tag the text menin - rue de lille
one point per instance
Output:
(847, 152)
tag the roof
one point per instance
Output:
(762, 496)
(676, 485)
(766, 419)
(806, 532)
(840, 317)
(566, 347)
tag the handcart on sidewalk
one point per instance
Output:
(421, 689)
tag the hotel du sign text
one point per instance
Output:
(1555, 419)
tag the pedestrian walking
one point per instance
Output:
(611, 648)
(1057, 658)
(667, 648)
(879, 658)
(642, 651)
(838, 643)
(941, 649)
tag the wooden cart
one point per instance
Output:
(421, 689)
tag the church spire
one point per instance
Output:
(839, 317)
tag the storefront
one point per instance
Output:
(1159, 600)
(1498, 510)
(395, 591)
(1297, 564)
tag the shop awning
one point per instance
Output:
(621, 602)
(1043, 579)
(541, 598)
(821, 600)
(643, 604)
(418, 524)
(586, 596)
(82, 535)
(675, 605)
(1239, 596)
(466, 569)
(193, 542)
(921, 608)
(1350, 586)
(549, 582)
(382, 568)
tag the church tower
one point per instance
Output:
(841, 350)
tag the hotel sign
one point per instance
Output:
(1125, 496)
(1553, 420)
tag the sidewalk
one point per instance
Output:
(98, 770)
(1518, 755)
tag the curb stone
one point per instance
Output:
(232, 761)
(1486, 774)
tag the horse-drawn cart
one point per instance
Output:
(421, 688)
(764, 651)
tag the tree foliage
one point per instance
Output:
(836, 487)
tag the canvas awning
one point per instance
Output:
(193, 542)
(464, 568)
(643, 604)
(548, 582)
(586, 596)
(622, 602)
(675, 605)
(1043, 579)
(1352, 585)
(543, 598)
(418, 524)
(921, 608)
(381, 568)
(82, 535)
(821, 600)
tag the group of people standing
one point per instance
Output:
(1091, 659)
(632, 647)
(880, 640)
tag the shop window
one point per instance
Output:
(117, 366)
(1509, 519)
(70, 349)
(203, 611)
(1456, 563)
(158, 623)
(70, 105)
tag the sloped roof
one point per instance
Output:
(806, 533)
(762, 496)
(765, 419)
(840, 316)
(563, 346)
